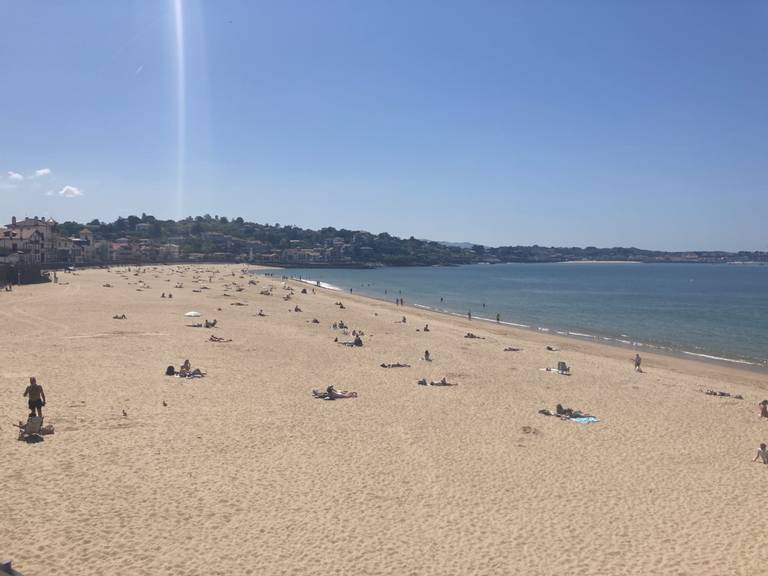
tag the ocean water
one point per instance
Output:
(708, 310)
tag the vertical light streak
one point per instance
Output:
(181, 108)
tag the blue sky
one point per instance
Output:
(553, 122)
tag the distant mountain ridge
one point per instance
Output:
(214, 237)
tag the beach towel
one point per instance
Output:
(584, 420)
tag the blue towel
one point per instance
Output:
(585, 420)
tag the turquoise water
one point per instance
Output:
(704, 309)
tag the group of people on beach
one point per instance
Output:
(36, 399)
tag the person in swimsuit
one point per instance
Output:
(762, 452)
(36, 397)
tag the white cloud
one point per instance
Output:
(42, 172)
(70, 192)
(15, 176)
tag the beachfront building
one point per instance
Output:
(36, 241)
(122, 251)
(301, 255)
(168, 251)
(31, 238)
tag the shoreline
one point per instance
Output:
(635, 346)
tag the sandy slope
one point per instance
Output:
(243, 472)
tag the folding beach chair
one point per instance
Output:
(32, 430)
(563, 368)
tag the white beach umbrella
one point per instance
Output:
(192, 314)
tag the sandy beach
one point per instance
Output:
(244, 472)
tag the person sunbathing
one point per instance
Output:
(334, 394)
(442, 382)
(218, 339)
(357, 342)
(723, 394)
(121, 317)
(426, 328)
(331, 393)
(395, 365)
(511, 349)
(471, 335)
(565, 413)
(196, 373)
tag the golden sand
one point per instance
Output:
(244, 472)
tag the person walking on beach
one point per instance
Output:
(498, 318)
(469, 314)
(36, 397)
(638, 360)
(762, 452)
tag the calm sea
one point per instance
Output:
(709, 310)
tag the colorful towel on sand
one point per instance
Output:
(584, 420)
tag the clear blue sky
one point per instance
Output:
(569, 122)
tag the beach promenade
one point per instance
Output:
(244, 472)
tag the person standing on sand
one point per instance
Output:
(498, 318)
(764, 409)
(36, 397)
(762, 453)
(469, 315)
(638, 360)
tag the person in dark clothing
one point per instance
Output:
(36, 397)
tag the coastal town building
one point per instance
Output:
(37, 241)
(28, 241)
